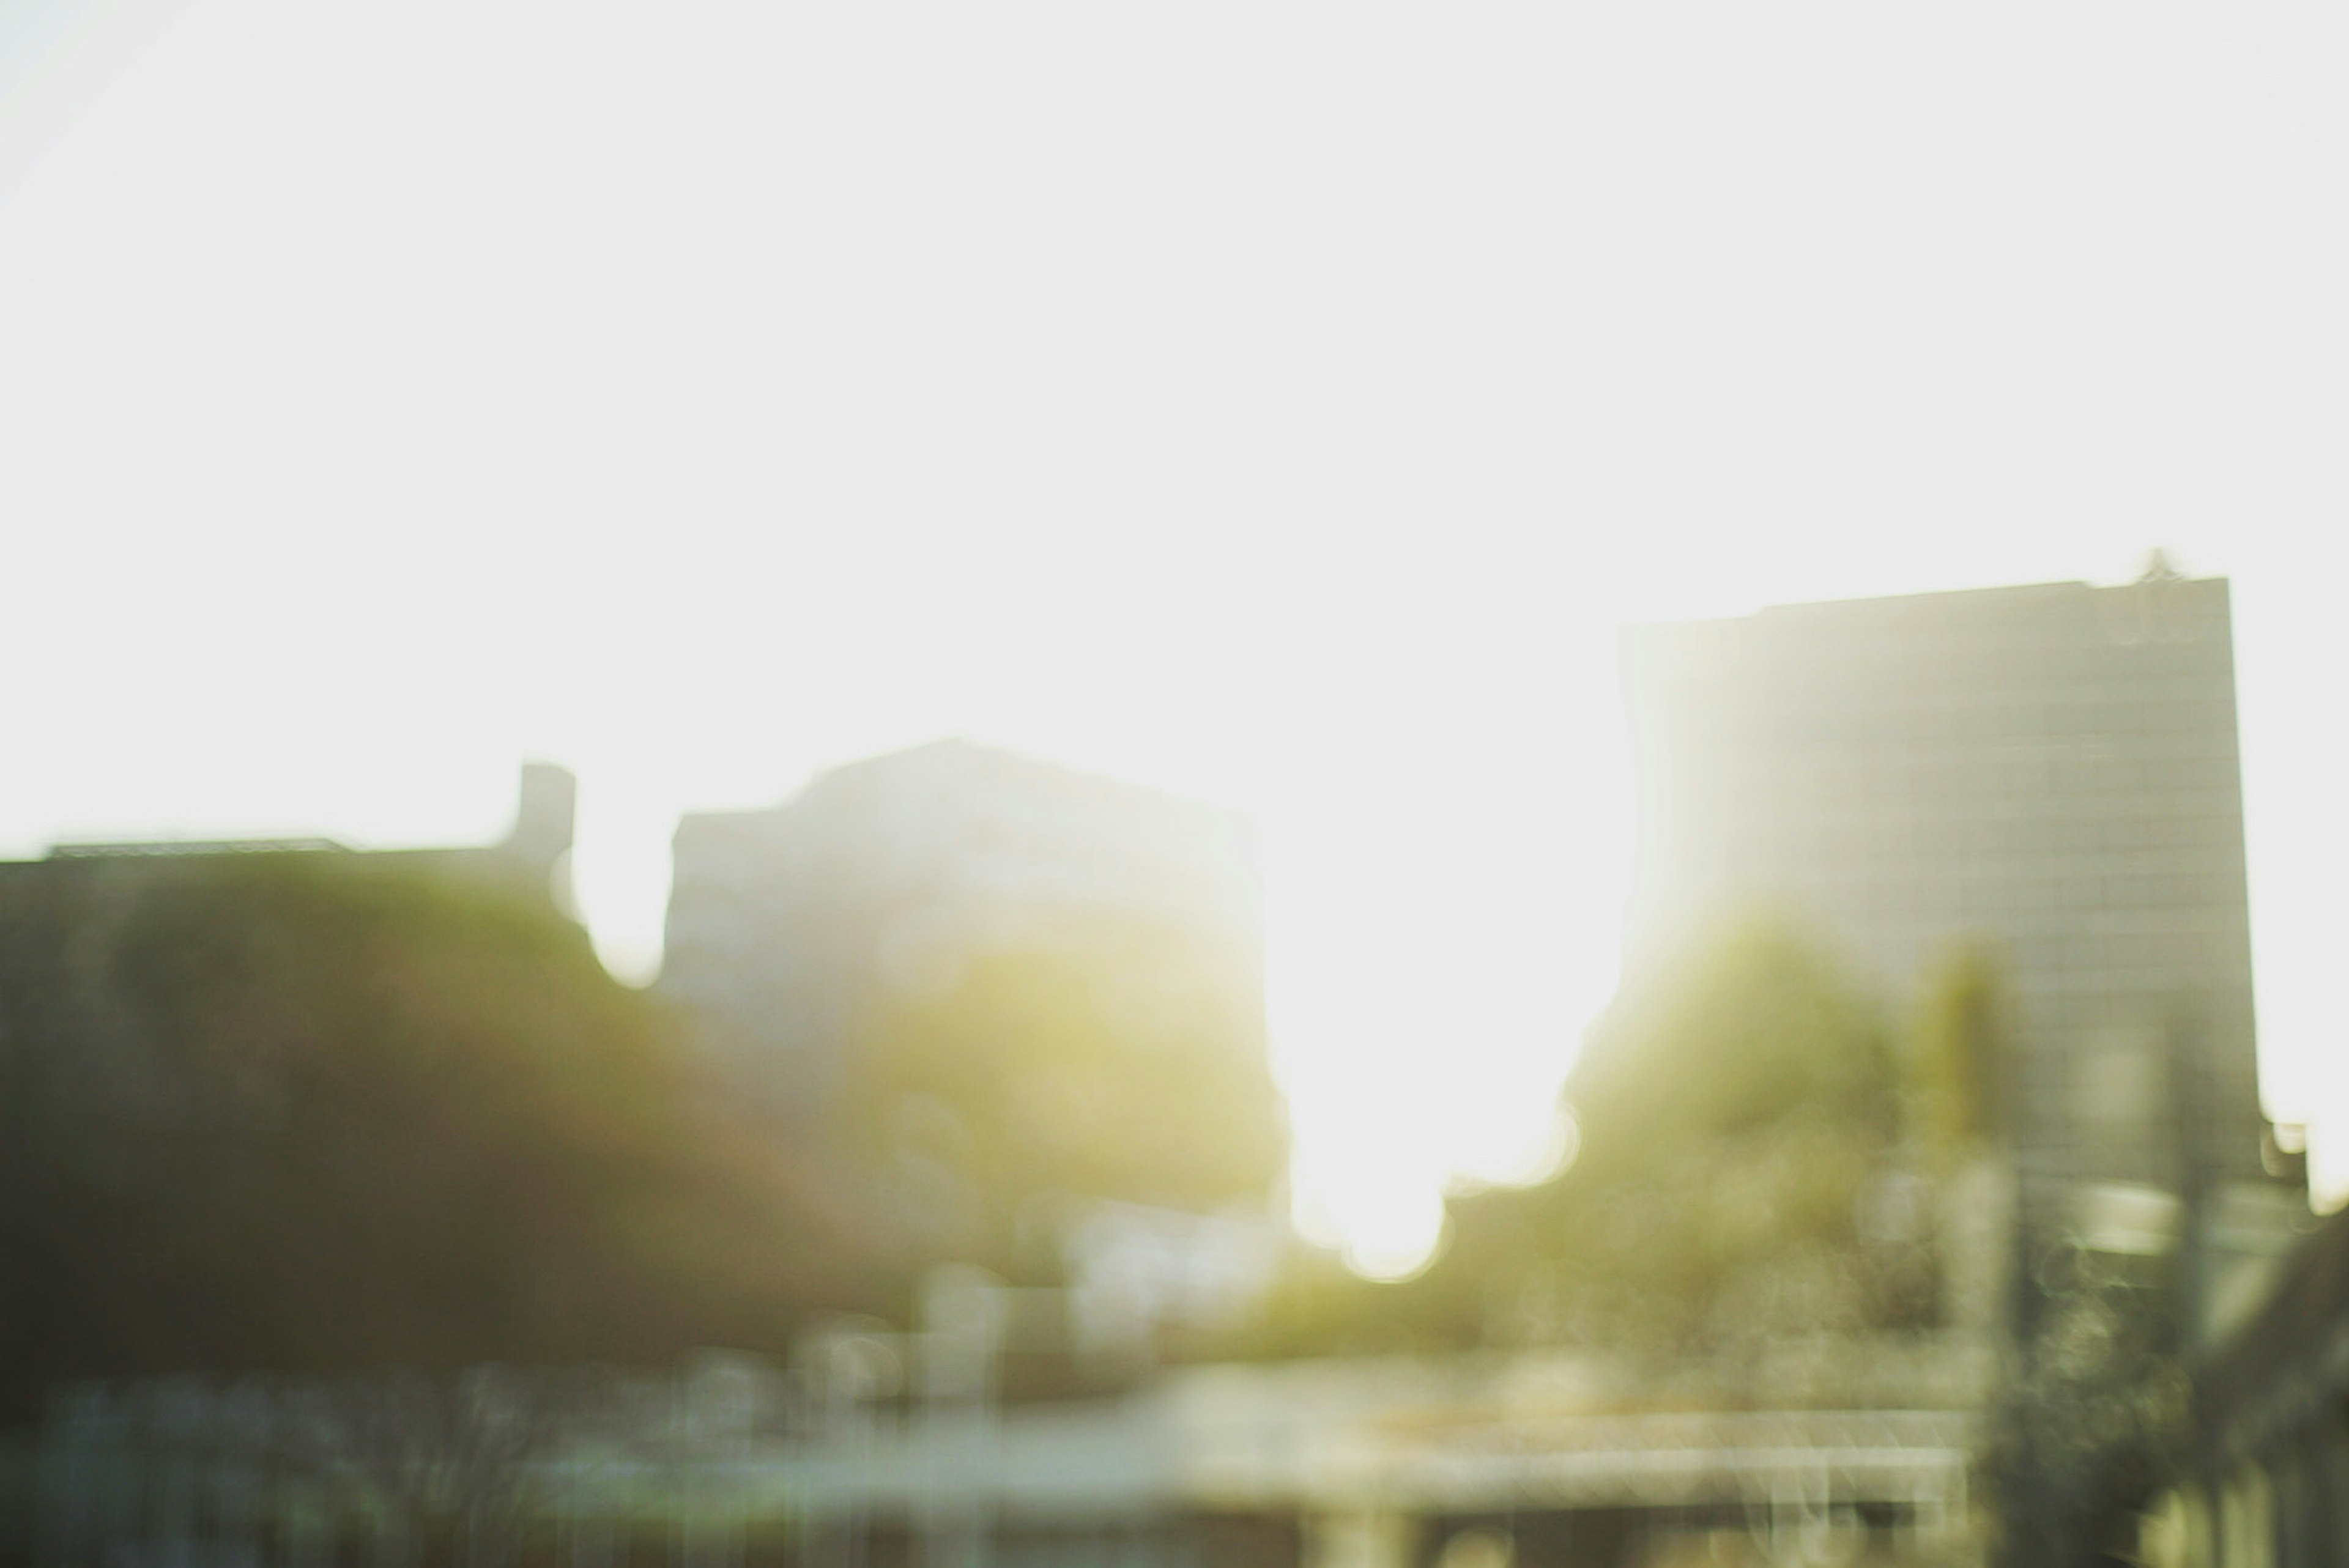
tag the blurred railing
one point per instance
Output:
(877, 1446)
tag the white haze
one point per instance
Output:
(1278, 403)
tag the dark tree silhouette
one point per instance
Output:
(306, 1113)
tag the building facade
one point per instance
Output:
(882, 878)
(2048, 771)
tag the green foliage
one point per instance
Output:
(1739, 1178)
(1754, 1030)
(1114, 1061)
(302, 1112)
(1959, 1054)
(2096, 1419)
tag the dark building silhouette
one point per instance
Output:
(533, 859)
(2264, 1483)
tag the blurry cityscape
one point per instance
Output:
(930, 1208)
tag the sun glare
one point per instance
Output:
(704, 407)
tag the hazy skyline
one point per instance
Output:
(1281, 404)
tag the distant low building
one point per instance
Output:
(788, 924)
(533, 859)
(1015, 1012)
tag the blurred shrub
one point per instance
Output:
(1959, 1054)
(1107, 1059)
(1741, 1175)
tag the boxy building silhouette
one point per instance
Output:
(883, 876)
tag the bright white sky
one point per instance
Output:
(1278, 403)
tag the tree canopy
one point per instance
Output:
(1740, 1175)
(305, 1113)
(1961, 1053)
(1120, 1060)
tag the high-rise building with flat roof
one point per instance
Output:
(2050, 769)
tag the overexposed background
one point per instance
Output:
(1282, 404)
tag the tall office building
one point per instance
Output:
(789, 924)
(2050, 768)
